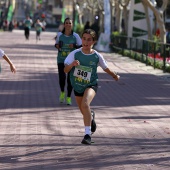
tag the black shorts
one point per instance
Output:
(38, 33)
(94, 87)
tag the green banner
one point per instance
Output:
(10, 13)
(63, 15)
(40, 1)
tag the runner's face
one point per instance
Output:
(87, 41)
(68, 24)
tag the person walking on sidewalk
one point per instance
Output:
(3, 55)
(27, 27)
(87, 25)
(66, 41)
(82, 65)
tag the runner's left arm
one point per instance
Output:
(12, 67)
(105, 67)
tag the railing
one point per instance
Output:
(152, 53)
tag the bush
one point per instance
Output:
(79, 29)
(126, 53)
(119, 45)
(167, 69)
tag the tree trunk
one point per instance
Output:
(159, 17)
(148, 21)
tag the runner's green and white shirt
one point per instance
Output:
(28, 23)
(1, 55)
(38, 27)
(85, 74)
(65, 41)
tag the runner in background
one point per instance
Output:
(66, 41)
(27, 27)
(38, 28)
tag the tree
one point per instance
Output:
(112, 5)
(158, 12)
(100, 6)
(119, 11)
(91, 5)
(124, 4)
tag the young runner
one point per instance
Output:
(12, 67)
(66, 41)
(27, 27)
(38, 28)
(82, 65)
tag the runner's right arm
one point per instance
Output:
(70, 62)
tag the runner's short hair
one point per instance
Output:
(91, 32)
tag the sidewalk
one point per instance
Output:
(38, 133)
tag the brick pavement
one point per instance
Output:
(132, 115)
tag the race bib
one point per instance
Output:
(83, 72)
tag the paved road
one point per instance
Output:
(132, 115)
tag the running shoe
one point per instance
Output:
(62, 97)
(93, 123)
(86, 140)
(68, 100)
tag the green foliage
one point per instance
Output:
(115, 33)
(126, 53)
(167, 69)
(79, 29)
(156, 39)
(156, 43)
(158, 65)
(118, 40)
(138, 56)
(132, 55)
(143, 58)
(140, 49)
